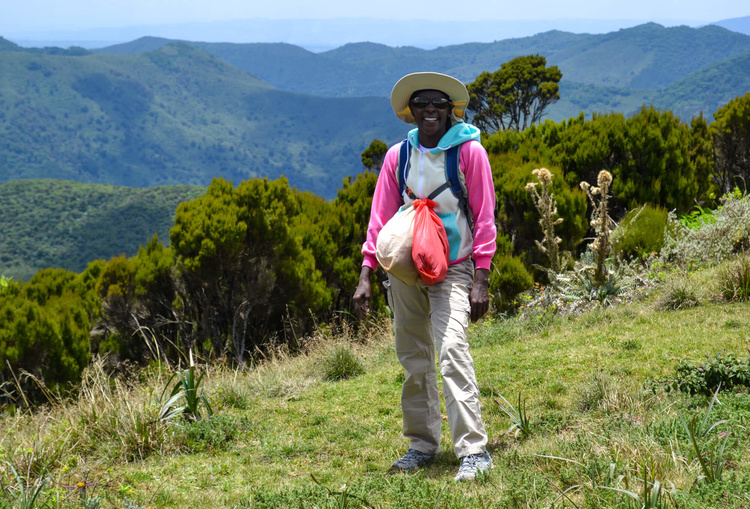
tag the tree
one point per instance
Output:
(515, 96)
(372, 157)
(246, 275)
(731, 133)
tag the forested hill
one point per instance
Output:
(53, 223)
(175, 115)
(648, 56)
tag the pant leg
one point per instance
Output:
(415, 348)
(449, 301)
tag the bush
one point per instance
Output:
(640, 233)
(45, 326)
(721, 236)
(734, 279)
(508, 278)
(704, 377)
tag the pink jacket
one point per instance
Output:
(475, 166)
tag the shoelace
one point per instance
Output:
(469, 463)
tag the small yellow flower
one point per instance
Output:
(81, 484)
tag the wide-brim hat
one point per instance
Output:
(406, 86)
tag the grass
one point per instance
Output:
(282, 436)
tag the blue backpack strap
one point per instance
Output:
(403, 165)
(455, 183)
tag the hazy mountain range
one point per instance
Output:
(326, 34)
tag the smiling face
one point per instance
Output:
(431, 121)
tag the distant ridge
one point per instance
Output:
(645, 57)
(741, 25)
(325, 34)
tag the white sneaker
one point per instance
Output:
(412, 460)
(472, 465)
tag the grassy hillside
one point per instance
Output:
(177, 115)
(283, 436)
(54, 223)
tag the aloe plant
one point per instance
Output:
(26, 495)
(518, 416)
(186, 391)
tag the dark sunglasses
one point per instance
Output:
(421, 103)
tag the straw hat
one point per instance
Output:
(410, 83)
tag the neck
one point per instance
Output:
(429, 141)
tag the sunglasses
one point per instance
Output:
(421, 103)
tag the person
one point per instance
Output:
(430, 316)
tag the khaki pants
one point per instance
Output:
(426, 317)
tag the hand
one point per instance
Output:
(361, 298)
(480, 294)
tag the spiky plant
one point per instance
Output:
(602, 224)
(544, 201)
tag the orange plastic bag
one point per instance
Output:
(430, 244)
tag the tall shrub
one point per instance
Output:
(44, 331)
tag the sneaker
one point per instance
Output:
(412, 460)
(473, 465)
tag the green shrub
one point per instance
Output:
(340, 364)
(715, 240)
(705, 377)
(640, 233)
(734, 279)
(45, 326)
(697, 217)
(508, 278)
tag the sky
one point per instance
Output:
(20, 18)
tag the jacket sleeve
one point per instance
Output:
(476, 167)
(385, 202)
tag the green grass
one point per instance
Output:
(281, 436)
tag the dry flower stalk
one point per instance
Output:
(545, 204)
(601, 222)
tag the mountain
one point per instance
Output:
(176, 115)
(159, 112)
(325, 34)
(708, 89)
(741, 25)
(6, 45)
(617, 71)
(54, 223)
(647, 56)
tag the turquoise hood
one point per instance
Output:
(456, 135)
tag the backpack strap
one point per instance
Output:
(403, 164)
(457, 189)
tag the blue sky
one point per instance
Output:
(30, 15)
